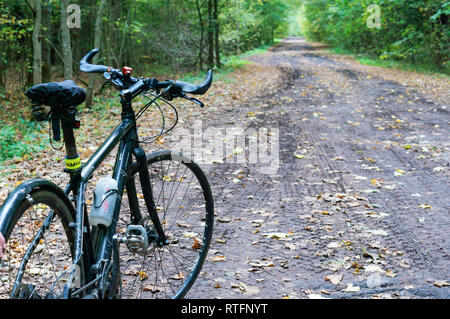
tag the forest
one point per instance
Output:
(41, 40)
(44, 40)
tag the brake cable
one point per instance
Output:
(144, 108)
(50, 131)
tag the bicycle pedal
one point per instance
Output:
(136, 239)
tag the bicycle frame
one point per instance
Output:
(95, 249)
(125, 134)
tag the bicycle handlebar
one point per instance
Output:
(87, 67)
(134, 86)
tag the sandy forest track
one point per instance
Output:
(359, 205)
(351, 200)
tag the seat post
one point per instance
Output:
(72, 160)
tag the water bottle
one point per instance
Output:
(105, 196)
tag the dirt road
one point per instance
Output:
(358, 207)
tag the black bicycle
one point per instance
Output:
(152, 245)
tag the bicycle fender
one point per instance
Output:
(14, 200)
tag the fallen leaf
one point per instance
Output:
(178, 276)
(142, 275)
(376, 182)
(183, 225)
(245, 289)
(151, 288)
(221, 240)
(276, 235)
(217, 258)
(197, 244)
(334, 279)
(299, 156)
(390, 274)
(351, 288)
(441, 283)
(261, 264)
(257, 222)
(334, 244)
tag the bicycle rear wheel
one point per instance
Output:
(184, 204)
(38, 257)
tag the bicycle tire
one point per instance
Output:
(189, 231)
(39, 253)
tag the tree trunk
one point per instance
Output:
(200, 50)
(97, 42)
(2, 68)
(46, 35)
(65, 42)
(37, 46)
(125, 34)
(210, 35)
(216, 32)
(238, 26)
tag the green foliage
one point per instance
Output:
(294, 22)
(411, 31)
(23, 138)
(157, 38)
(15, 33)
(230, 63)
(235, 62)
(250, 24)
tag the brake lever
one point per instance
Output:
(193, 99)
(114, 80)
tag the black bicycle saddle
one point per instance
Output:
(57, 94)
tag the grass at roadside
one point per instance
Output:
(229, 64)
(374, 60)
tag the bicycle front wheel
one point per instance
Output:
(184, 204)
(38, 256)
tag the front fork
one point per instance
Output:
(144, 176)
